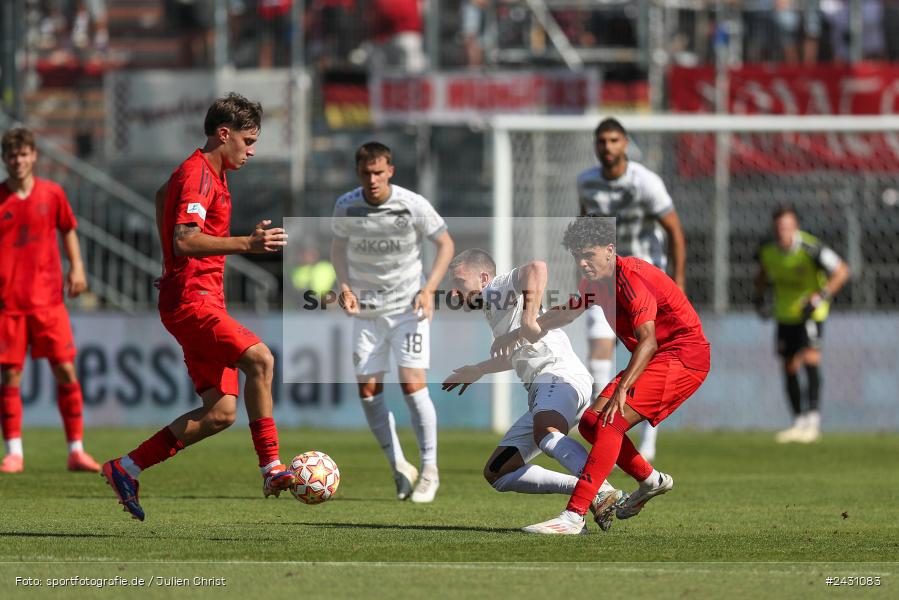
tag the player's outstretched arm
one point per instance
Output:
(469, 374)
(347, 299)
(76, 280)
(423, 303)
(190, 241)
(554, 318)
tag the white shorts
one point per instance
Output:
(547, 392)
(597, 326)
(403, 333)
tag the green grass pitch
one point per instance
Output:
(746, 519)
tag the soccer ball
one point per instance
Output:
(317, 477)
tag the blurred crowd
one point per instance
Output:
(391, 33)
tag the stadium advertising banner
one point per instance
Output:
(866, 89)
(463, 97)
(159, 113)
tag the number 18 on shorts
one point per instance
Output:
(403, 334)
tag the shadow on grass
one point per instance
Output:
(38, 534)
(408, 527)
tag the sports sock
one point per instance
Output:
(11, 413)
(76, 446)
(813, 420)
(599, 463)
(565, 451)
(534, 479)
(14, 446)
(601, 370)
(424, 423)
(653, 479)
(632, 462)
(793, 394)
(68, 398)
(265, 440)
(158, 448)
(382, 424)
(129, 466)
(813, 375)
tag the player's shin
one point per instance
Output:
(265, 441)
(533, 479)
(632, 462)
(606, 448)
(383, 426)
(424, 423)
(564, 450)
(11, 418)
(71, 404)
(161, 446)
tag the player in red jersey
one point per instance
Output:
(670, 358)
(193, 211)
(31, 296)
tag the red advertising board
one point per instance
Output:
(866, 89)
(461, 97)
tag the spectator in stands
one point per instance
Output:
(192, 20)
(274, 32)
(838, 16)
(90, 17)
(891, 29)
(473, 17)
(398, 36)
(776, 29)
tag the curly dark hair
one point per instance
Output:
(585, 232)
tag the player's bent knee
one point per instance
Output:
(220, 420)
(500, 464)
(257, 359)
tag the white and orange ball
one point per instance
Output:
(317, 477)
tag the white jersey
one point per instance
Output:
(384, 247)
(637, 199)
(552, 355)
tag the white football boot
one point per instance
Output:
(404, 475)
(427, 486)
(633, 504)
(567, 523)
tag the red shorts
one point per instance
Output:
(47, 330)
(660, 388)
(212, 342)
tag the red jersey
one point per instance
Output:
(30, 267)
(645, 293)
(195, 195)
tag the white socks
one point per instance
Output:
(565, 451)
(130, 467)
(648, 441)
(534, 479)
(383, 425)
(76, 446)
(813, 420)
(424, 423)
(601, 370)
(569, 454)
(652, 480)
(14, 446)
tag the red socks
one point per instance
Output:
(629, 460)
(265, 440)
(161, 446)
(607, 443)
(632, 462)
(10, 412)
(70, 402)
